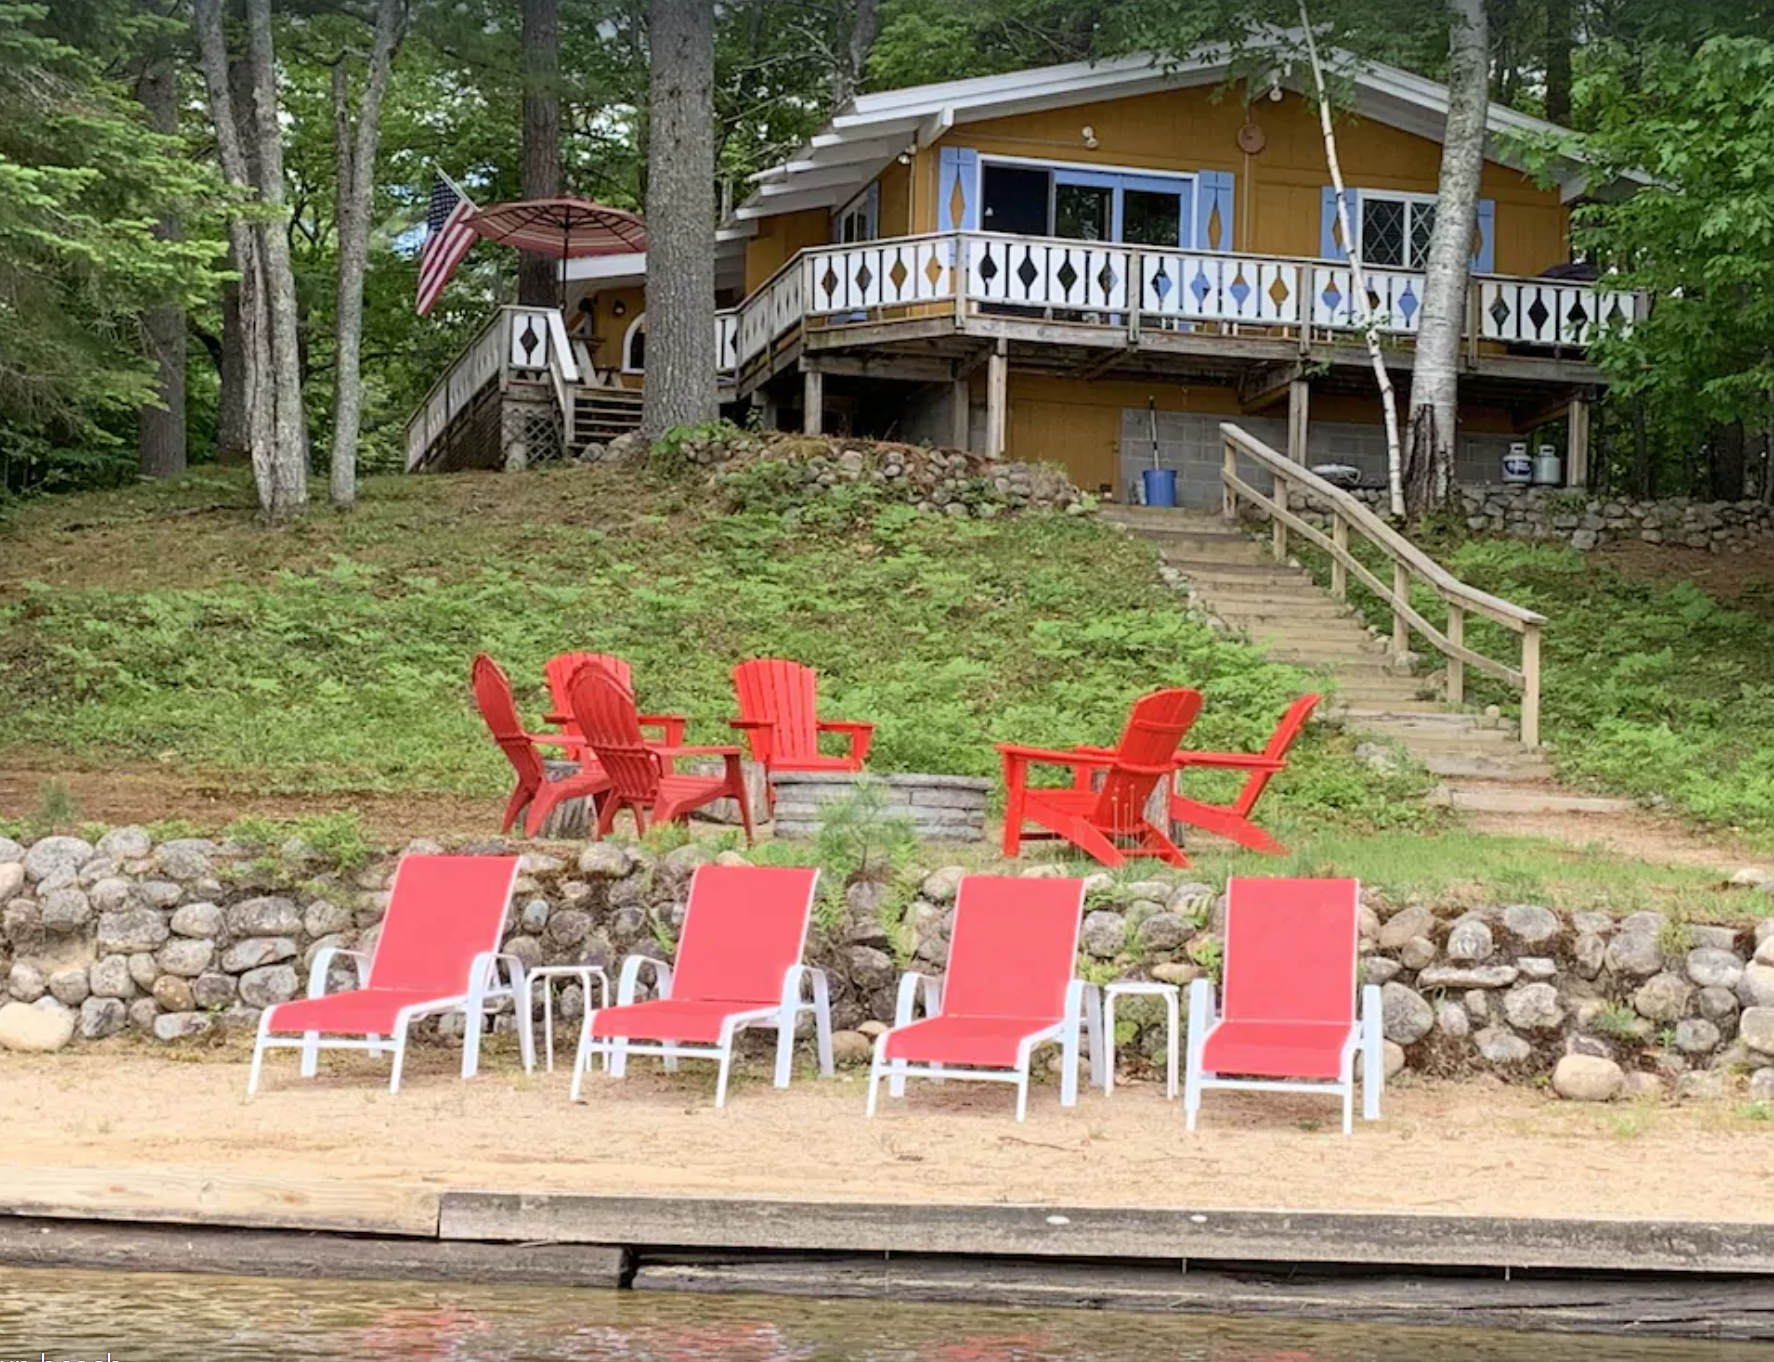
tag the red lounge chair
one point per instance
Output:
(640, 777)
(1232, 821)
(739, 966)
(1289, 1022)
(438, 951)
(1097, 820)
(779, 715)
(559, 671)
(534, 791)
(1009, 987)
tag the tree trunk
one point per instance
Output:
(1435, 397)
(680, 384)
(233, 425)
(1558, 61)
(161, 425)
(356, 155)
(1357, 277)
(289, 420)
(538, 276)
(848, 72)
(1730, 465)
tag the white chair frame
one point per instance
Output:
(1083, 1010)
(483, 992)
(781, 1018)
(1365, 1037)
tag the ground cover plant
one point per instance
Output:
(1653, 685)
(159, 626)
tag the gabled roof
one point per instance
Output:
(874, 129)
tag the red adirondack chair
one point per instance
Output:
(535, 791)
(779, 715)
(1290, 977)
(1102, 821)
(1009, 987)
(438, 951)
(1232, 820)
(559, 671)
(640, 778)
(738, 966)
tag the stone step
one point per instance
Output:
(1473, 766)
(1504, 799)
(1244, 569)
(1360, 714)
(1319, 653)
(1431, 715)
(1309, 631)
(1163, 517)
(1236, 609)
(1447, 738)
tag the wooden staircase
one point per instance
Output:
(601, 414)
(1481, 765)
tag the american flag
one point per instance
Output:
(447, 238)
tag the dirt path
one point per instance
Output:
(1472, 1149)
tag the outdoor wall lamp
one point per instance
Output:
(1090, 137)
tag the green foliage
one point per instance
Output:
(334, 658)
(336, 840)
(83, 181)
(1619, 1021)
(858, 840)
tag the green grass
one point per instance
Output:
(1652, 688)
(160, 627)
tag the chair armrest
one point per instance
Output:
(906, 1003)
(672, 725)
(323, 958)
(1049, 756)
(751, 723)
(556, 739)
(1234, 761)
(843, 726)
(631, 974)
(669, 752)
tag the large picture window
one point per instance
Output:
(1083, 204)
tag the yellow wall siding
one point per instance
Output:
(1279, 191)
(896, 200)
(780, 238)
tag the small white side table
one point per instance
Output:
(1135, 988)
(585, 974)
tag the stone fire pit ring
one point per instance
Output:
(939, 808)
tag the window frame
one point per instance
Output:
(1411, 201)
(1114, 177)
(868, 205)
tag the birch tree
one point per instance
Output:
(356, 157)
(680, 386)
(1429, 463)
(1358, 275)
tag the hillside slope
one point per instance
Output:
(160, 630)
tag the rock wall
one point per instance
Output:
(1562, 515)
(176, 939)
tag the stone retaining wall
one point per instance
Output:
(172, 940)
(938, 808)
(1563, 515)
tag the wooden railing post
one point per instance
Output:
(1401, 595)
(1339, 573)
(1456, 668)
(1278, 527)
(1530, 686)
(1229, 498)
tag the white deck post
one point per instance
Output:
(812, 402)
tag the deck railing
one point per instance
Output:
(1409, 565)
(1110, 285)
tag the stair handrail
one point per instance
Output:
(563, 373)
(1408, 562)
(475, 365)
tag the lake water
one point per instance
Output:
(150, 1318)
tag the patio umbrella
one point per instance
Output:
(565, 228)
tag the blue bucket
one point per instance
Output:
(1161, 486)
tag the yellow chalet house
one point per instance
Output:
(1094, 265)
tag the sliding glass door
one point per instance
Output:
(1077, 204)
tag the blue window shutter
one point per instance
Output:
(1330, 230)
(957, 199)
(1213, 210)
(1484, 259)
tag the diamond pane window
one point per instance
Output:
(1383, 231)
(1422, 225)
